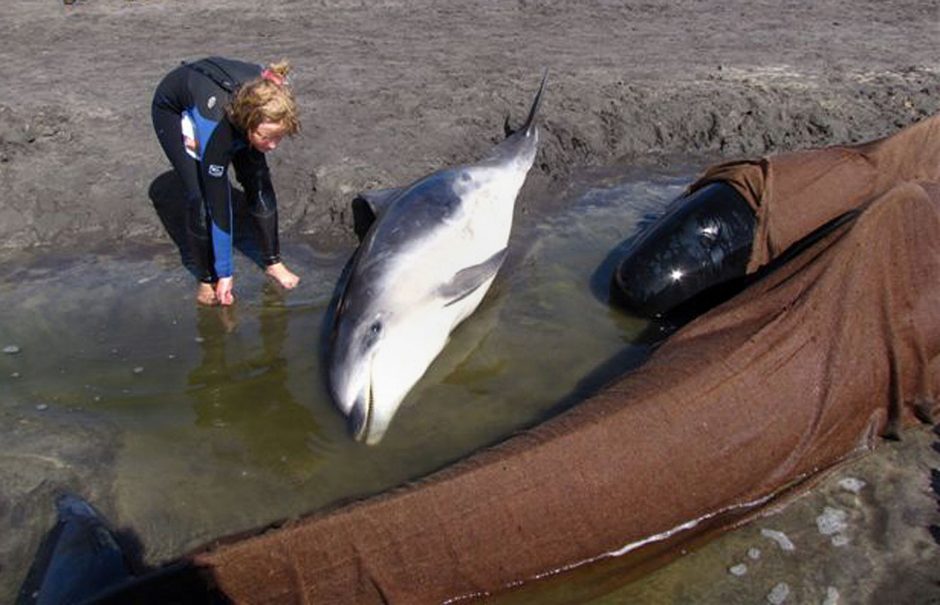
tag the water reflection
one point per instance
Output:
(247, 398)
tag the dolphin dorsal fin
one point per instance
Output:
(467, 280)
(369, 206)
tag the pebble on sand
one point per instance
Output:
(832, 521)
(779, 537)
(839, 540)
(778, 594)
(851, 484)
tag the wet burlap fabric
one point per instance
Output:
(812, 363)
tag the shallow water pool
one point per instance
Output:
(185, 424)
(220, 418)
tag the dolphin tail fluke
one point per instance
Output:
(530, 121)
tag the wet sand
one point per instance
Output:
(391, 90)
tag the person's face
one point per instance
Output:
(266, 136)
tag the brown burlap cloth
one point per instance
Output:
(806, 367)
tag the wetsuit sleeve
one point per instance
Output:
(218, 196)
(251, 170)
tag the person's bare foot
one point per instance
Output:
(282, 275)
(205, 295)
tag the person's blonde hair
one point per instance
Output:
(267, 98)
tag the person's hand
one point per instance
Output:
(223, 291)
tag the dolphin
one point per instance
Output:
(423, 266)
(83, 560)
(78, 559)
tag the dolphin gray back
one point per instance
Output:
(392, 218)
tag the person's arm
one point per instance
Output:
(251, 170)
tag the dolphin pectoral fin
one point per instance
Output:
(368, 206)
(467, 280)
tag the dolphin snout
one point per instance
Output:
(358, 417)
(354, 401)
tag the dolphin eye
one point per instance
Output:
(371, 334)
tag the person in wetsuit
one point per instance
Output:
(207, 115)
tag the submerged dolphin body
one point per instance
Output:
(424, 266)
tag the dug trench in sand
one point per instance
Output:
(809, 365)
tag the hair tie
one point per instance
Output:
(271, 76)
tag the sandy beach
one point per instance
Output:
(391, 90)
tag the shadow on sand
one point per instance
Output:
(166, 194)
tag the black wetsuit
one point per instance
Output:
(201, 90)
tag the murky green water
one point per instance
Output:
(220, 417)
(187, 424)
